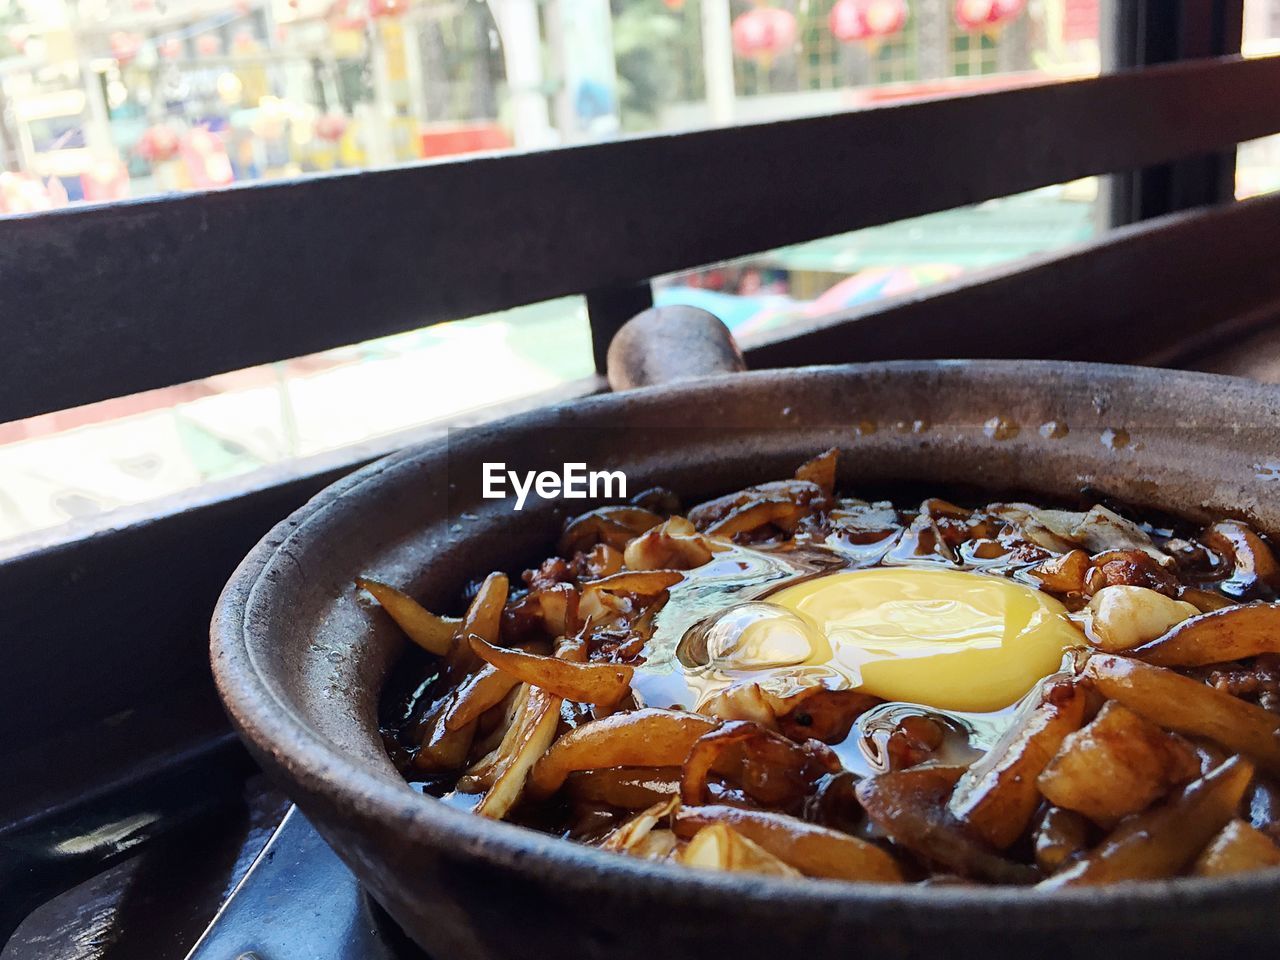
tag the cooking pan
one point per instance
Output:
(300, 659)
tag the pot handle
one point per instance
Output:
(665, 344)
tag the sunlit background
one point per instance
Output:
(104, 100)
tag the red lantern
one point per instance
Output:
(974, 15)
(158, 144)
(762, 32)
(106, 179)
(205, 159)
(347, 15)
(387, 8)
(124, 46)
(869, 20)
(208, 45)
(331, 127)
(171, 49)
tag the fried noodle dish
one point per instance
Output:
(792, 682)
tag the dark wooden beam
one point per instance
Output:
(1145, 34)
(105, 301)
(98, 621)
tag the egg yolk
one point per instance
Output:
(940, 638)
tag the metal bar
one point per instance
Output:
(298, 902)
(112, 300)
(1144, 293)
(1160, 33)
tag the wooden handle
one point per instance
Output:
(665, 344)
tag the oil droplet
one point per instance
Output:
(1268, 471)
(1115, 438)
(749, 636)
(911, 426)
(1053, 430)
(864, 428)
(1000, 428)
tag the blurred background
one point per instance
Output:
(111, 100)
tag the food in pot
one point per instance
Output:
(790, 681)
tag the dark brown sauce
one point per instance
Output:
(853, 535)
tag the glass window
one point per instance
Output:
(79, 463)
(105, 99)
(1258, 162)
(896, 59)
(883, 52)
(760, 296)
